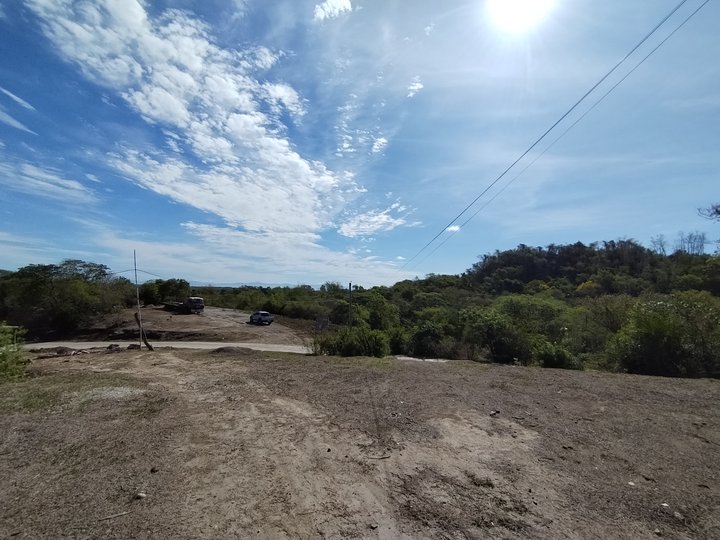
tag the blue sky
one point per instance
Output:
(291, 141)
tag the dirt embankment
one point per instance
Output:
(214, 324)
(241, 444)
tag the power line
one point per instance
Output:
(133, 270)
(567, 113)
(575, 123)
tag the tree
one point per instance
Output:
(691, 243)
(173, 289)
(383, 314)
(674, 336)
(711, 212)
(496, 331)
(659, 244)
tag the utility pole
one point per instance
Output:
(350, 304)
(137, 295)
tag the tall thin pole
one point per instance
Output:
(350, 304)
(137, 295)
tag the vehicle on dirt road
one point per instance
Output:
(261, 317)
(192, 304)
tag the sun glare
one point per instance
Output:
(517, 16)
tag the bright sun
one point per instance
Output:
(517, 16)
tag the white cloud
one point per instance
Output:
(16, 247)
(374, 221)
(170, 70)
(33, 180)
(294, 254)
(331, 9)
(285, 96)
(226, 150)
(93, 178)
(225, 255)
(453, 228)
(239, 7)
(379, 145)
(17, 99)
(414, 87)
(5, 118)
(429, 29)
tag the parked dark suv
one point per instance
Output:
(261, 317)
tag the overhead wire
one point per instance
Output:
(575, 123)
(132, 270)
(547, 132)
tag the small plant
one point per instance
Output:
(12, 360)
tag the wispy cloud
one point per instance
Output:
(15, 247)
(226, 126)
(379, 145)
(169, 69)
(376, 221)
(453, 228)
(5, 118)
(17, 99)
(47, 183)
(331, 9)
(415, 86)
(214, 254)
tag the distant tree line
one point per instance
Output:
(613, 305)
(52, 300)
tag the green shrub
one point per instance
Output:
(399, 341)
(12, 360)
(552, 355)
(496, 331)
(303, 310)
(675, 336)
(356, 341)
(534, 314)
(425, 341)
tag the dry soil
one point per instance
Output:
(243, 444)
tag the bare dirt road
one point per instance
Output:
(243, 444)
(214, 324)
(203, 345)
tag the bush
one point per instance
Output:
(12, 361)
(303, 310)
(355, 342)
(399, 342)
(426, 341)
(673, 336)
(496, 331)
(551, 355)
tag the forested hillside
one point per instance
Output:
(614, 305)
(56, 299)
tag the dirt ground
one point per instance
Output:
(241, 444)
(214, 324)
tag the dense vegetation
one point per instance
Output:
(12, 361)
(614, 305)
(55, 300)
